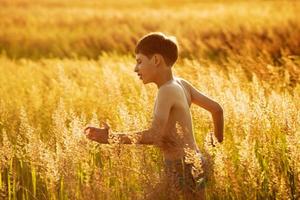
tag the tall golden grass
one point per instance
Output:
(67, 64)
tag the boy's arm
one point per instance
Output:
(210, 105)
(153, 135)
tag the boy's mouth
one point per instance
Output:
(140, 76)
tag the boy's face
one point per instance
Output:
(145, 68)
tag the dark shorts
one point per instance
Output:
(187, 175)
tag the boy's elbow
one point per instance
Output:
(217, 109)
(220, 110)
(147, 137)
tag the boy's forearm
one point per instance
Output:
(114, 138)
(142, 137)
(218, 120)
(123, 138)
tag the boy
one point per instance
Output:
(171, 129)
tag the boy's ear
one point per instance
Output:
(157, 59)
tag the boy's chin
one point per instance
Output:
(145, 82)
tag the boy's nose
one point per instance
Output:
(136, 69)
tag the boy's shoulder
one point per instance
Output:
(174, 86)
(183, 81)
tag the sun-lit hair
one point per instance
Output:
(157, 42)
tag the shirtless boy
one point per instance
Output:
(171, 129)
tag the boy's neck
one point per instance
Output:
(164, 78)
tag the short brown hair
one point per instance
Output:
(158, 42)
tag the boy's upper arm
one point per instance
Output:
(201, 100)
(163, 106)
(164, 103)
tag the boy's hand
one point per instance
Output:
(213, 140)
(97, 134)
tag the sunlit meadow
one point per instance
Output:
(65, 64)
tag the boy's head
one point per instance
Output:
(155, 52)
(158, 43)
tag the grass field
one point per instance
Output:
(65, 64)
